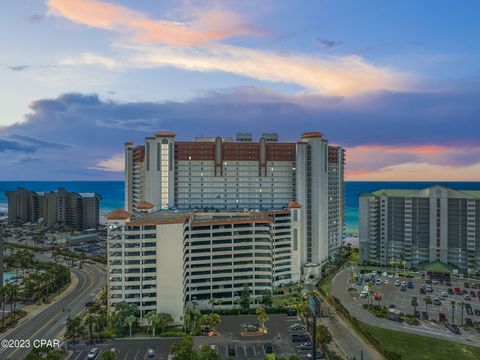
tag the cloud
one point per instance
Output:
(207, 24)
(382, 132)
(116, 163)
(19, 67)
(35, 18)
(388, 44)
(191, 43)
(327, 75)
(329, 44)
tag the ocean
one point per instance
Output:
(112, 192)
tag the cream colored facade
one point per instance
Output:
(163, 261)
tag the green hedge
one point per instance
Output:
(251, 311)
(173, 334)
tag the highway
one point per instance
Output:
(50, 323)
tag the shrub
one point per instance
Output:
(172, 334)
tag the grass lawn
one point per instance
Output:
(412, 346)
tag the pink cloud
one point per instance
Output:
(205, 25)
(407, 162)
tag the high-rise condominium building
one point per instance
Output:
(72, 210)
(421, 226)
(226, 175)
(205, 219)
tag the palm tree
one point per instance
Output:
(452, 302)
(130, 320)
(323, 336)
(3, 294)
(414, 304)
(462, 306)
(82, 259)
(73, 328)
(90, 321)
(153, 320)
(426, 300)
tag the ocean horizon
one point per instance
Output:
(112, 192)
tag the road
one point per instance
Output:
(50, 323)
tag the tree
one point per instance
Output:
(109, 355)
(427, 301)
(190, 319)
(214, 302)
(452, 302)
(266, 300)
(90, 322)
(414, 303)
(73, 328)
(462, 305)
(152, 319)
(210, 320)
(183, 350)
(262, 316)
(130, 320)
(122, 311)
(245, 299)
(323, 336)
(164, 320)
(82, 259)
(207, 353)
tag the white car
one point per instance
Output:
(397, 282)
(363, 294)
(378, 282)
(403, 283)
(444, 294)
(434, 281)
(385, 282)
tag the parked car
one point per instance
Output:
(231, 350)
(291, 312)
(300, 338)
(403, 288)
(477, 312)
(417, 314)
(453, 328)
(422, 291)
(297, 326)
(397, 283)
(378, 282)
(436, 301)
(472, 294)
(468, 322)
(466, 285)
(467, 297)
(363, 294)
(151, 353)
(450, 291)
(458, 291)
(444, 294)
(474, 286)
(306, 346)
(425, 315)
(410, 285)
(448, 283)
(429, 289)
(434, 281)
(469, 310)
(268, 348)
(464, 292)
(442, 317)
(385, 282)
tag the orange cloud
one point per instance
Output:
(208, 24)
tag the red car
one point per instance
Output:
(458, 291)
(442, 317)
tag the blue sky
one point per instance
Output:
(395, 82)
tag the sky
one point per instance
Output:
(394, 82)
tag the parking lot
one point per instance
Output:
(440, 292)
(279, 335)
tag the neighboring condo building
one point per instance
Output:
(205, 218)
(421, 226)
(71, 210)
